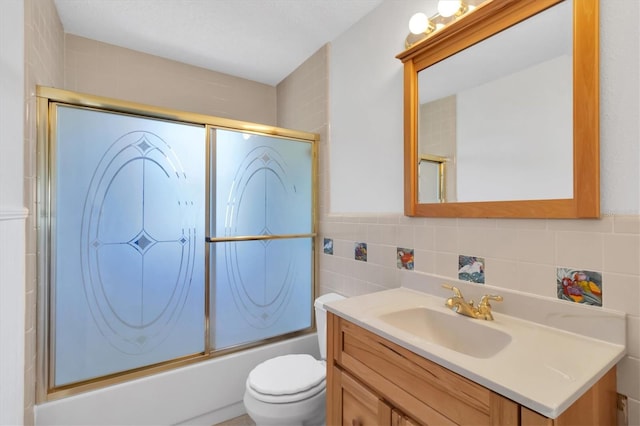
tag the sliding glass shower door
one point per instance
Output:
(262, 244)
(168, 241)
(128, 257)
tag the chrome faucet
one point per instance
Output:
(461, 306)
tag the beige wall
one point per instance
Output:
(111, 71)
(44, 56)
(303, 105)
(12, 213)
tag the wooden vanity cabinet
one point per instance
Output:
(372, 381)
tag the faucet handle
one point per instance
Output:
(484, 308)
(484, 301)
(455, 290)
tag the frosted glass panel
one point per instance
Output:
(263, 289)
(263, 187)
(127, 239)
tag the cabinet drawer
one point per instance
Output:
(433, 394)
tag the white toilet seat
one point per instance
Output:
(287, 399)
(286, 379)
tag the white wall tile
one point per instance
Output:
(622, 253)
(424, 238)
(425, 261)
(406, 236)
(446, 264)
(446, 239)
(628, 374)
(626, 224)
(472, 241)
(502, 243)
(536, 246)
(633, 336)
(580, 250)
(621, 292)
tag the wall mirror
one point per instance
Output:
(501, 113)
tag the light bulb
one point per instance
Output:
(447, 8)
(418, 23)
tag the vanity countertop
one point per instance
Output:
(544, 368)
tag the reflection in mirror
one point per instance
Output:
(432, 178)
(501, 112)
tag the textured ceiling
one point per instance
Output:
(260, 40)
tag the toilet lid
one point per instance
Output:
(315, 391)
(287, 375)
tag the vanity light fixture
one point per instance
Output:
(449, 8)
(421, 25)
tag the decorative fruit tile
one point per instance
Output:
(471, 268)
(405, 258)
(360, 251)
(579, 286)
(328, 246)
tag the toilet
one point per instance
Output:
(291, 389)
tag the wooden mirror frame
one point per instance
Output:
(488, 19)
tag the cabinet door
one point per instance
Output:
(357, 405)
(399, 419)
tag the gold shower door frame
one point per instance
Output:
(47, 101)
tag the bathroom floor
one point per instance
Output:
(238, 421)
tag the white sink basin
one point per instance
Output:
(453, 331)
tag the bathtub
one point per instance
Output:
(204, 393)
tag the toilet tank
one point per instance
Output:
(321, 320)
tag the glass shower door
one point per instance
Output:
(166, 239)
(127, 226)
(262, 247)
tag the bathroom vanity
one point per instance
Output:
(382, 370)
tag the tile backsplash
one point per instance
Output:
(527, 256)
(522, 255)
